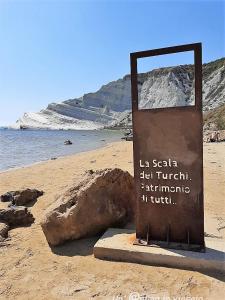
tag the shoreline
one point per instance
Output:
(71, 155)
(59, 157)
(81, 143)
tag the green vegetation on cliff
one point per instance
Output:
(215, 118)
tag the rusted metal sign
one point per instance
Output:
(168, 165)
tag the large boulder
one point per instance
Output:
(21, 197)
(16, 216)
(101, 200)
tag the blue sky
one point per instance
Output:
(55, 50)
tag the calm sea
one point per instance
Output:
(23, 147)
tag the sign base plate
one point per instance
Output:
(170, 245)
(118, 245)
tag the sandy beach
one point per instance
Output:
(30, 269)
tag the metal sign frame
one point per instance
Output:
(172, 133)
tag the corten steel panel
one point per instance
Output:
(169, 133)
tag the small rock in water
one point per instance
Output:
(68, 142)
(53, 158)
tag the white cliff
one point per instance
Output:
(111, 104)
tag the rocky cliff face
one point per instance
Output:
(111, 105)
(214, 119)
(167, 87)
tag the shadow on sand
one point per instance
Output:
(82, 247)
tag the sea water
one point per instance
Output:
(24, 147)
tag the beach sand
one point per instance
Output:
(30, 269)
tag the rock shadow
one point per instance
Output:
(82, 247)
